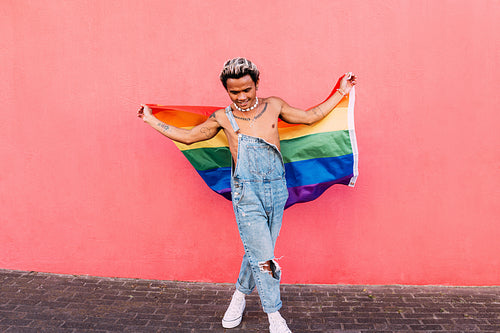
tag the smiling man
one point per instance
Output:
(258, 185)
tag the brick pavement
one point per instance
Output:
(38, 302)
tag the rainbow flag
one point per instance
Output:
(316, 156)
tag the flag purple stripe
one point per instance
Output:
(310, 192)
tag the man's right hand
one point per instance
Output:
(145, 113)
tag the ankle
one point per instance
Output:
(274, 316)
(238, 294)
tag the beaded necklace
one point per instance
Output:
(250, 108)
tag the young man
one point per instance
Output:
(258, 185)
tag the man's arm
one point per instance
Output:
(297, 116)
(204, 131)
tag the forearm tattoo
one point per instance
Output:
(164, 127)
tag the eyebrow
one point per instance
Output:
(236, 91)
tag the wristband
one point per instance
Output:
(341, 92)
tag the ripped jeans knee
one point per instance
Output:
(271, 267)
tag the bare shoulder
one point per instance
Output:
(218, 116)
(274, 102)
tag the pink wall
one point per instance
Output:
(87, 188)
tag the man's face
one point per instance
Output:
(242, 91)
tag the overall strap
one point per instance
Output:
(230, 116)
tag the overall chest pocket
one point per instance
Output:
(261, 161)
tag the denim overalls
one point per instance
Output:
(259, 194)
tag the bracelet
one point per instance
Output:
(341, 92)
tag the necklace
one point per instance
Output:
(250, 108)
(252, 120)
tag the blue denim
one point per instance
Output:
(259, 194)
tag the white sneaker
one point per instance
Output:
(278, 325)
(234, 312)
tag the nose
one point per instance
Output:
(241, 96)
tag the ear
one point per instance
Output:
(257, 85)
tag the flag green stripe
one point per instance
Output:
(208, 158)
(320, 145)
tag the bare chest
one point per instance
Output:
(267, 131)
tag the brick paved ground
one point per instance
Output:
(36, 302)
